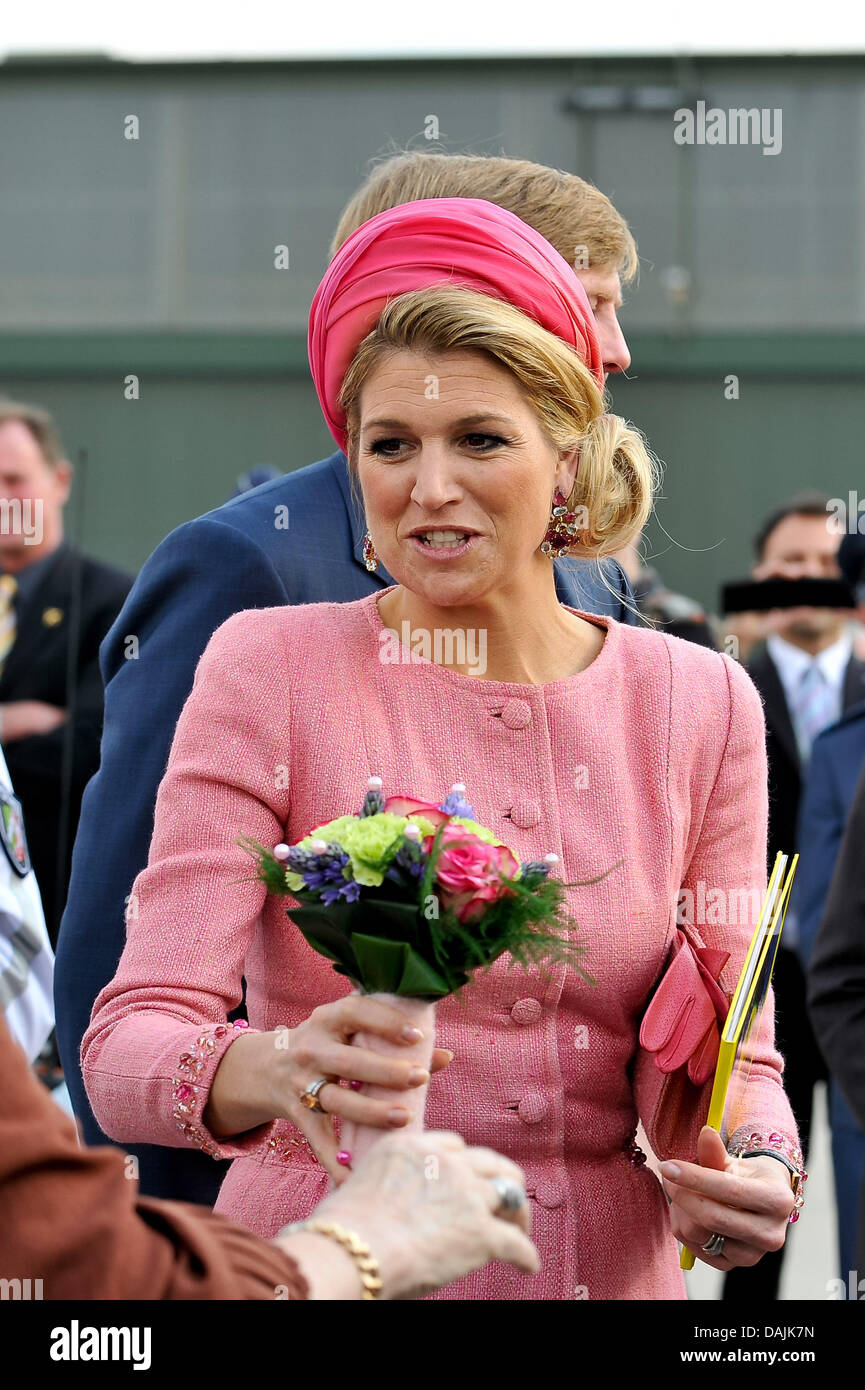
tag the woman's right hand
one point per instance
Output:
(321, 1047)
(426, 1206)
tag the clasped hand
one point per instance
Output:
(748, 1200)
(321, 1047)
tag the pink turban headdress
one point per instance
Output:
(465, 242)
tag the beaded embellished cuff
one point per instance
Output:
(749, 1143)
(190, 1087)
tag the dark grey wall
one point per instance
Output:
(176, 452)
(113, 251)
(177, 227)
(729, 463)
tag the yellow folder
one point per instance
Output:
(746, 1006)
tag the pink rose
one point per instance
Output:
(468, 871)
(409, 806)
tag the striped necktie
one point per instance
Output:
(8, 616)
(814, 708)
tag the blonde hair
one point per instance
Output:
(617, 475)
(572, 214)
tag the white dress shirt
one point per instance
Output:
(791, 663)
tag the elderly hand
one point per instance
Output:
(321, 1047)
(748, 1200)
(427, 1208)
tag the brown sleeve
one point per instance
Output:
(71, 1216)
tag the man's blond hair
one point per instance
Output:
(572, 214)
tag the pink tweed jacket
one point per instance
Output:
(654, 755)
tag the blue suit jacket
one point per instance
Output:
(837, 758)
(297, 539)
(830, 925)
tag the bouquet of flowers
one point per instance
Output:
(408, 899)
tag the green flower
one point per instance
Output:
(369, 841)
(330, 831)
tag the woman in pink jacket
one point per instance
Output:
(455, 357)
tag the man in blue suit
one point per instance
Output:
(297, 539)
(836, 997)
(837, 759)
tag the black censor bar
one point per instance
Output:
(761, 595)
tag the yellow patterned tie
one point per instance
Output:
(8, 616)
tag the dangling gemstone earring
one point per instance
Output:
(369, 556)
(562, 528)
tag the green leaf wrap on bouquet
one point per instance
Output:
(378, 944)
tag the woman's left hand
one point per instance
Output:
(748, 1200)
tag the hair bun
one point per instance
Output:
(615, 483)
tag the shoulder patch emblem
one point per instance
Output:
(12, 833)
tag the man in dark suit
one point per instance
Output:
(298, 539)
(807, 675)
(56, 605)
(837, 759)
(836, 983)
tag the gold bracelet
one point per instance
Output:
(358, 1249)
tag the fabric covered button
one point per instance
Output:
(526, 814)
(532, 1108)
(526, 1011)
(550, 1192)
(517, 714)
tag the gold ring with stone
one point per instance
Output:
(309, 1097)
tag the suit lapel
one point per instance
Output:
(764, 674)
(54, 590)
(853, 692)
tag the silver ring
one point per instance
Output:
(511, 1195)
(714, 1245)
(309, 1097)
